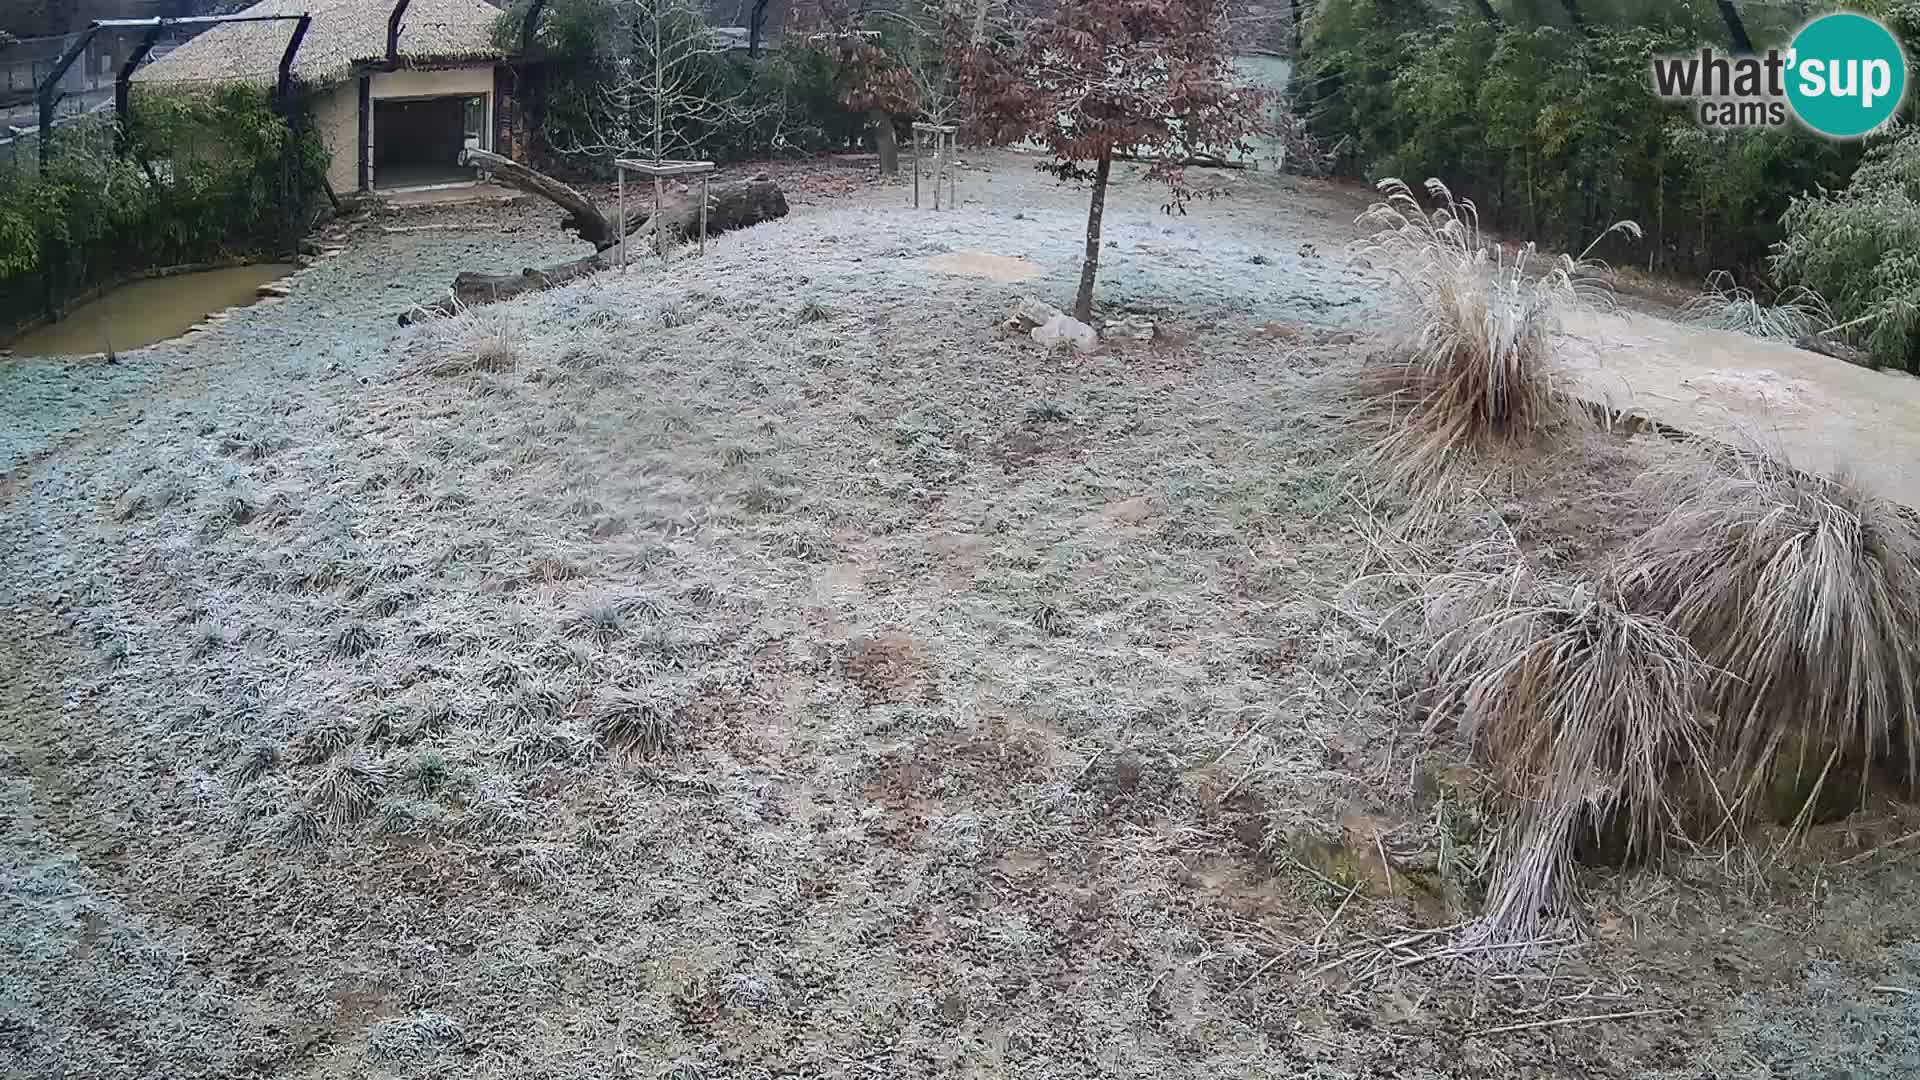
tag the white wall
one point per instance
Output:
(338, 115)
(460, 82)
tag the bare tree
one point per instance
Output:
(664, 93)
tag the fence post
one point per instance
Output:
(123, 84)
(49, 88)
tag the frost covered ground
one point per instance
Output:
(772, 667)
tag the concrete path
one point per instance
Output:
(1827, 415)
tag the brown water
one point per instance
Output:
(149, 311)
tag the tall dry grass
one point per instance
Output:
(1473, 363)
(1804, 593)
(1727, 305)
(1583, 709)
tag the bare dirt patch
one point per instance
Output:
(985, 265)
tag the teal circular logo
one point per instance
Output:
(1846, 75)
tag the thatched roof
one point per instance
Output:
(343, 33)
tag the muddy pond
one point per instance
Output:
(146, 312)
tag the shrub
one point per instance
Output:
(1476, 334)
(1555, 127)
(1583, 708)
(202, 175)
(1803, 594)
(1861, 249)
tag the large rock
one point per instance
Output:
(1065, 330)
(1052, 327)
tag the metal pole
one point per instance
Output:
(123, 83)
(51, 84)
(621, 171)
(659, 233)
(530, 25)
(704, 177)
(916, 167)
(393, 30)
(953, 176)
(283, 89)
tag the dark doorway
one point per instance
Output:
(417, 141)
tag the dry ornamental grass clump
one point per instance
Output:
(1727, 305)
(1804, 594)
(1583, 708)
(1473, 365)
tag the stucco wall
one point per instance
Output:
(338, 115)
(465, 82)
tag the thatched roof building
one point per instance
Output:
(393, 115)
(344, 34)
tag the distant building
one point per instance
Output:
(389, 121)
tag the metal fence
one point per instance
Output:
(84, 93)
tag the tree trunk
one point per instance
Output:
(582, 216)
(1578, 20)
(1297, 38)
(1736, 29)
(980, 21)
(471, 289)
(1486, 12)
(730, 205)
(886, 142)
(733, 205)
(1083, 303)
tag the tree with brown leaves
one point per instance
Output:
(874, 81)
(1096, 78)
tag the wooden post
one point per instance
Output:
(659, 170)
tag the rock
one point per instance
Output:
(1028, 312)
(1136, 328)
(1066, 330)
(274, 290)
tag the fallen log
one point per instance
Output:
(1839, 350)
(730, 205)
(1198, 161)
(471, 289)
